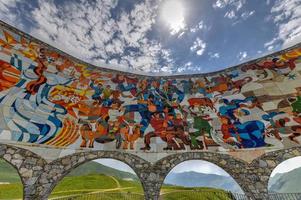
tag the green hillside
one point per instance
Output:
(97, 168)
(75, 185)
(8, 173)
(287, 182)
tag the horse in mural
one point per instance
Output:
(130, 134)
(225, 84)
(91, 130)
(205, 102)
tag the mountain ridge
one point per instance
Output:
(288, 182)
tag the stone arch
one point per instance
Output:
(224, 161)
(55, 171)
(255, 178)
(27, 164)
(269, 161)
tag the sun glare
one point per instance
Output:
(172, 13)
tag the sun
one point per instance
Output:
(172, 13)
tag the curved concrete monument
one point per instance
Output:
(67, 112)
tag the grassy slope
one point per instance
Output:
(96, 168)
(11, 191)
(176, 193)
(8, 173)
(92, 183)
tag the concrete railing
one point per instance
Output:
(285, 196)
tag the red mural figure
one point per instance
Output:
(130, 132)
(9, 75)
(33, 86)
(157, 122)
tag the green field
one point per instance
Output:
(8, 173)
(94, 183)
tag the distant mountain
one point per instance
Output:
(97, 168)
(195, 179)
(286, 182)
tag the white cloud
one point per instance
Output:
(198, 27)
(230, 14)
(189, 67)
(185, 67)
(270, 48)
(270, 45)
(247, 14)
(287, 16)
(233, 9)
(188, 64)
(237, 4)
(198, 46)
(88, 31)
(242, 55)
(199, 166)
(5, 11)
(213, 55)
(181, 34)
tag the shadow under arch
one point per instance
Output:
(15, 188)
(284, 176)
(223, 161)
(134, 162)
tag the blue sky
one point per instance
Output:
(164, 36)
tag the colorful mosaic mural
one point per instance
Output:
(49, 98)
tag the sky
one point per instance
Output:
(160, 36)
(201, 166)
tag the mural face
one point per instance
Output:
(47, 98)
